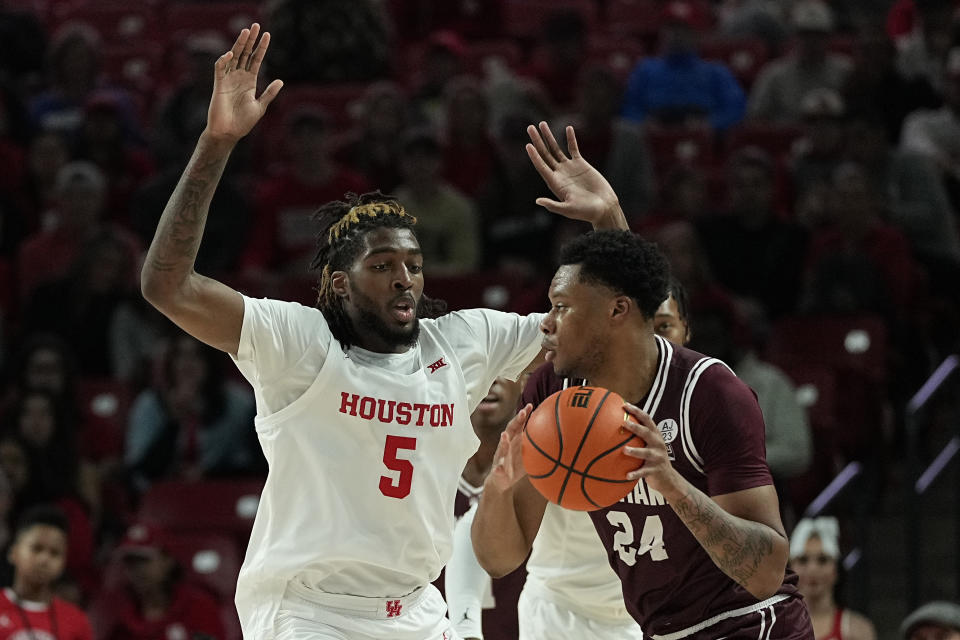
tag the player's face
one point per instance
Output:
(669, 324)
(385, 287)
(817, 571)
(575, 331)
(500, 404)
(39, 554)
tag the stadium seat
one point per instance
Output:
(633, 17)
(116, 22)
(104, 405)
(673, 146)
(776, 139)
(229, 18)
(209, 559)
(225, 506)
(524, 18)
(619, 55)
(743, 56)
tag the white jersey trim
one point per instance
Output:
(471, 492)
(726, 615)
(686, 435)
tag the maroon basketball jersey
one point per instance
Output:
(500, 620)
(714, 431)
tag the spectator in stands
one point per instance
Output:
(922, 45)
(44, 361)
(155, 601)
(762, 19)
(874, 85)
(183, 114)
(29, 606)
(374, 149)
(441, 62)
(678, 87)
(689, 264)
(73, 61)
(818, 154)
(194, 422)
(938, 620)
(782, 84)
(910, 188)
(282, 238)
(936, 133)
(95, 308)
(857, 262)
(470, 161)
(815, 556)
(616, 143)
(559, 56)
(49, 254)
(753, 251)
(448, 226)
(59, 474)
(47, 154)
(682, 196)
(328, 41)
(723, 333)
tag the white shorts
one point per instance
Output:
(541, 618)
(305, 616)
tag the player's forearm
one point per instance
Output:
(752, 554)
(173, 251)
(498, 539)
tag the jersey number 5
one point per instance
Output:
(399, 487)
(651, 538)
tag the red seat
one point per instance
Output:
(105, 405)
(635, 17)
(115, 22)
(524, 18)
(673, 146)
(776, 139)
(225, 506)
(209, 559)
(229, 18)
(744, 57)
(620, 55)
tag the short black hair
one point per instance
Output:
(43, 514)
(624, 262)
(679, 293)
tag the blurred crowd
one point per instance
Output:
(797, 160)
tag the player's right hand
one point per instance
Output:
(234, 106)
(508, 468)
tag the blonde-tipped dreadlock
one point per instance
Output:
(342, 227)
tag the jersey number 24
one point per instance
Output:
(651, 538)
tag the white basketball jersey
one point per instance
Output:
(364, 464)
(569, 566)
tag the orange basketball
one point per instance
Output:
(573, 449)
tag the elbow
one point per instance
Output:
(765, 587)
(158, 290)
(768, 580)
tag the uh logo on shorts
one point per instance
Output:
(393, 608)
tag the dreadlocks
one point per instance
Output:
(343, 226)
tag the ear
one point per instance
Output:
(340, 283)
(620, 308)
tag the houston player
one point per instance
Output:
(362, 407)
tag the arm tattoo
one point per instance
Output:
(177, 239)
(738, 547)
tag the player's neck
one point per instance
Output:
(32, 592)
(630, 367)
(477, 467)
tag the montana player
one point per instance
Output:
(698, 545)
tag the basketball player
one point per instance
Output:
(362, 408)
(698, 544)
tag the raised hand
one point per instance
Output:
(508, 460)
(582, 192)
(234, 106)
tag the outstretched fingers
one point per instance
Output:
(555, 151)
(572, 145)
(540, 146)
(243, 61)
(256, 58)
(237, 49)
(270, 93)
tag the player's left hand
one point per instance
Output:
(657, 471)
(584, 194)
(508, 467)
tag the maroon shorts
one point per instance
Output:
(785, 620)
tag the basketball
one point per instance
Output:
(573, 449)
